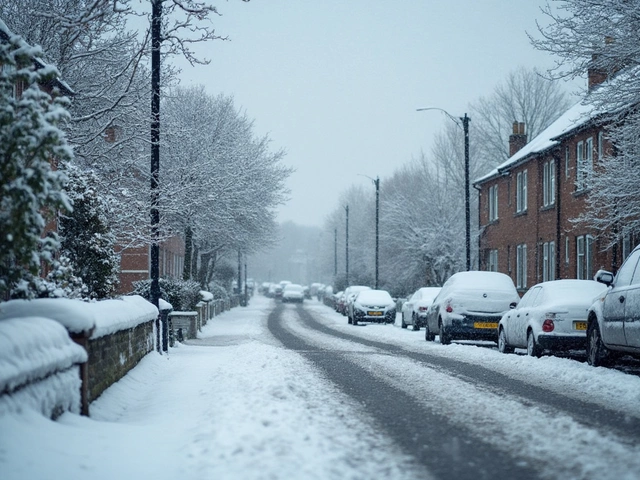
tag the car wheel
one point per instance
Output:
(427, 333)
(597, 354)
(503, 346)
(445, 337)
(402, 324)
(533, 349)
(415, 323)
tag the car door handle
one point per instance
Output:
(621, 298)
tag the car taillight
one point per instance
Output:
(449, 308)
(423, 309)
(548, 326)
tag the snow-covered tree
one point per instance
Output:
(603, 38)
(31, 191)
(221, 186)
(422, 233)
(524, 96)
(85, 235)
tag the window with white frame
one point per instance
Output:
(521, 192)
(566, 162)
(584, 257)
(521, 266)
(580, 180)
(566, 250)
(584, 162)
(600, 145)
(548, 261)
(493, 203)
(492, 261)
(549, 183)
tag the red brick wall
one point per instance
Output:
(540, 224)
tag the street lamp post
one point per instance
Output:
(347, 247)
(467, 208)
(377, 183)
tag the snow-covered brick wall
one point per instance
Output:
(122, 314)
(103, 318)
(38, 366)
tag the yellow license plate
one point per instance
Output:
(493, 325)
(580, 325)
(374, 314)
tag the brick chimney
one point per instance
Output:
(517, 139)
(595, 75)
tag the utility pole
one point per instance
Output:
(467, 207)
(377, 183)
(335, 253)
(154, 273)
(239, 280)
(347, 247)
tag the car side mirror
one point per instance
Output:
(513, 305)
(605, 277)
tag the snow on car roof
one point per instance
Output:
(481, 279)
(374, 296)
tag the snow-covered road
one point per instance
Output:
(236, 404)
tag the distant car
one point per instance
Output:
(469, 306)
(372, 306)
(414, 310)
(613, 322)
(550, 316)
(293, 292)
(349, 294)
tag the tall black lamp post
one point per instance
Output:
(467, 208)
(347, 248)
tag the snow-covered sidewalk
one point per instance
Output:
(237, 405)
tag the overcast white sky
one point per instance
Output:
(336, 83)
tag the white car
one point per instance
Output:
(349, 294)
(293, 293)
(469, 306)
(551, 316)
(414, 310)
(372, 306)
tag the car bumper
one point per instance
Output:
(562, 342)
(388, 317)
(474, 328)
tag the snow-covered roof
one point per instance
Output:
(578, 115)
(6, 34)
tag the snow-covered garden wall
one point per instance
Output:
(116, 334)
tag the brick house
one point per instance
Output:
(135, 262)
(526, 204)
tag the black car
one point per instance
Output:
(613, 324)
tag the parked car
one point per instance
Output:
(613, 322)
(469, 307)
(338, 301)
(414, 310)
(372, 306)
(550, 316)
(293, 292)
(349, 294)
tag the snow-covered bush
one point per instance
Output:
(31, 190)
(218, 291)
(183, 295)
(86, 237)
